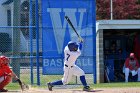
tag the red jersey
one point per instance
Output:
(5, 70)
(131, 64)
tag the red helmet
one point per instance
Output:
(4, 60)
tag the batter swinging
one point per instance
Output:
(71, 52)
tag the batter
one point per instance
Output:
(71, 52)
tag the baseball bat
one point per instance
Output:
(70, 23)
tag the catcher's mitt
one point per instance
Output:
(23, 85)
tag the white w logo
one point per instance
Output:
(59, 27)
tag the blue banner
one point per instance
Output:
(57, 33)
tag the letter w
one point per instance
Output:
(59, 27)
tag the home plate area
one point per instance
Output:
(75, 89)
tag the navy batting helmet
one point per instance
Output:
(73, 46)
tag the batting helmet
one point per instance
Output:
(4, 60)
(73, 46)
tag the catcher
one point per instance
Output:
(6, 74)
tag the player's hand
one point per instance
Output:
(22, 85)
(81, 40)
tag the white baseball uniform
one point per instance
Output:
(70, 68)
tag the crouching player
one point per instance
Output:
(6, 74)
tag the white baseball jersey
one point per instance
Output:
(70, 68)
(71, 56)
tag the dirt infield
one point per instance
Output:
(98, 90)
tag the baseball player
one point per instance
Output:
(71, 52)
(6, 74)
(131, 65)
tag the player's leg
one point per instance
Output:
(79, 72)
(51, 84)
(68, 73)
(4, 81)
(139, 74)
(126, 74)
(66, 78)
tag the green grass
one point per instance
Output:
(47, 78)
(15, 86)
(116, 85)
(26, 79)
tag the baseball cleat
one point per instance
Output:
(86, 88)
(50, 86)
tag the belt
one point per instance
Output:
(68, 66)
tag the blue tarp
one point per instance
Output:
(57, 33)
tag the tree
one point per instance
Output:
(103, 9)
(138, 1)
(122, 9)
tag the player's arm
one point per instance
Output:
(6, 71)
(1, 73)
(10, 73)
(80, 43)
(22, 85)
(137, 64)
(127, 63)
(14, 76)
(80, 46)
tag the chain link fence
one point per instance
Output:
(18, 41)
(18, 37)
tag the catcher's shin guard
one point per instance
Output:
(5, 82)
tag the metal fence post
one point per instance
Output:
(16, 37)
